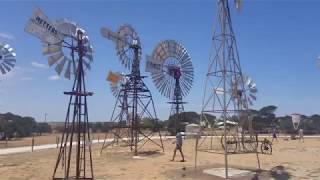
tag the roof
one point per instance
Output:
(227, 122)
(192, 125)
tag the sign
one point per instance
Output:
(40, 26)
(153, 66)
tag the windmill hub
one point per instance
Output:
(175, 72)
(135, 42)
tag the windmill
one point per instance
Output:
(227, 92)
(7, 58)
(58, 38)
(134, 101)
(172, 72)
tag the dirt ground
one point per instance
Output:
(296, 159)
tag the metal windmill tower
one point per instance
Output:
(58, 37)
(135, 97)
(172, 72)
(227, 92)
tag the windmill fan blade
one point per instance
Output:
(2, 69)
(253, 96)
(169, 62)
(152, 66)
(70, 35)
(75, 67)
(238, 4)
(67, 73)
(89, 56)
(6, 67)
(9, 63)
(245, 105)
(87, 65)
(60, 66)
(126, 38)
(66, 27)
(89, 49)
(253, 85)
(248, 81)
(51, 49)
(54, 58)
(253, 90)
(7, 58)
(11, 60)
(10, 55)
(6, 46)
(250, 102)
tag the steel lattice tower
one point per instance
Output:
(177, 104)
(75, 158)
(224, 95)
(224, 78)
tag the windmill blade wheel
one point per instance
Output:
(231, 142)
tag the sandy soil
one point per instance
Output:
(299, 160)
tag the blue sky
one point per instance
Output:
(277, 41)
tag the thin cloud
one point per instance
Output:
(39, 65)
(54, 78)
(26, 79)
(6, 36)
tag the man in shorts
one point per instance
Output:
(178, 146)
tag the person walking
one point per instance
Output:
(178, 143)
(274, 134)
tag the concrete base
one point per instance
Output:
(220, 172)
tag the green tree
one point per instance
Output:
(178, 121)
(264, 119)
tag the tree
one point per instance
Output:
(17, 126)
(264, 119)
(148, 123)
(178, 121)
(43, 127)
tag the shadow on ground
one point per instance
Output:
(277, 173)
